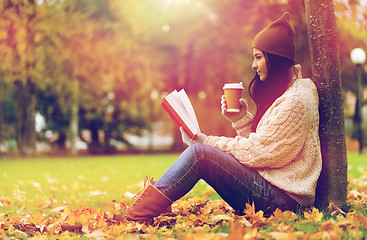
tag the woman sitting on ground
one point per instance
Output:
(274, 161)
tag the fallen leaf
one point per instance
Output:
(251, 233)
(282, 236)
(58, 209)
(335, 210)
(255, 218)
(98, 234)
(20, 234)
(38, 218)
(5, 202)
(282, 227)
(361, 219)
(222, 217)
(236, 231)
(313, 216)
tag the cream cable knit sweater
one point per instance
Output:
(285, 149)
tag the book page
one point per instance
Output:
(174, 100)
(188, 106)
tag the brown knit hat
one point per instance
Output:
(277, 38)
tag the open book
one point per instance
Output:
(179, 108)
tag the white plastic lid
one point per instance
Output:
(233, 86)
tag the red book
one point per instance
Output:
(179, 108)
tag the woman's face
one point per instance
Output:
(259, 64)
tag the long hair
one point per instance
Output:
(264, 93)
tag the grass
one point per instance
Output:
(357, 164)
(91, 181)
(96, 181)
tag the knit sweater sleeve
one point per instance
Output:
(243, 126)
(279, 137)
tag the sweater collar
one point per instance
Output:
(296, 72)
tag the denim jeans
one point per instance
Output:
(234, 182)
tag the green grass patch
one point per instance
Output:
(90, 181)
(357, 165)
(96, 181)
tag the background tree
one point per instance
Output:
(18, 47)
(323, 39)
(85, 57)
(116, 70)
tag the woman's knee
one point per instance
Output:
(191, 154)
(198, 149)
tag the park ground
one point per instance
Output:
(85, 198)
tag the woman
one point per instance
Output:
(274, 161)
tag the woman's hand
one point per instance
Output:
(189, 141)
(234, 117)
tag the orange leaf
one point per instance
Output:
(279, 215)
(236, 232)
(4, 202)
(38, 218)
(255, 218)
(71, 220)
(314, 215)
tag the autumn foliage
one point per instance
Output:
(191, 218)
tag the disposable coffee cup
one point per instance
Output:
(232, 94)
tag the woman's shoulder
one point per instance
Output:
(304, 84)
(303, 88)
(303, 92)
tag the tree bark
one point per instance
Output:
(322, 36)
(74, 119)
(25, 100)
(25, 88)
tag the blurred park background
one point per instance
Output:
(88, 76)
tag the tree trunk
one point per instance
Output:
(322, 36)
(25, 89)
(74, 119)
(25, 100)
(2, 118)
(61, 141)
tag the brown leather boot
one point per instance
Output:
(149, 203)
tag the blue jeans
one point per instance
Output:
(233, 181)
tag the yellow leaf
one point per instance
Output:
(71, 220)
(83, 218)
(280, 215)
(117, 230)
(314, 215)
(255, 218)
(38, 218)
(236, 232)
